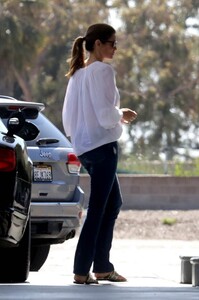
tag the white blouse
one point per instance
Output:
(91, 114)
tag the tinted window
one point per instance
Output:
(2, 126)
(48, 130)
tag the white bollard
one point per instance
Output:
(186, 269)
(195, 270)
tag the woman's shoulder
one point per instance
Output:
(77, 74)
(102, 65)
(99, 67)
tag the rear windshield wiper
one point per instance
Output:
(46, 141)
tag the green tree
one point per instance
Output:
(20, 38)
(158, 71)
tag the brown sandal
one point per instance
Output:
(88, 280)
(113, 277)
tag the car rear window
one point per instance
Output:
(2, 127)
(48, 131)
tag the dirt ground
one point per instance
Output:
(157, 224)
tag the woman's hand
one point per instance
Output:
(128, 115)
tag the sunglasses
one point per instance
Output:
(113, 43)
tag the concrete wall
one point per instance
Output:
(155, 192)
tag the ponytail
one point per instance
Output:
(76, 61)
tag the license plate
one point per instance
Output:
(42, 173)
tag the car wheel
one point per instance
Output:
(16, 260)
(38, 256)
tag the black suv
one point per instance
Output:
(57, 201)
(15, 186)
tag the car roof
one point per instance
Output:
(6, 101)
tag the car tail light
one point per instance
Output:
(7, 160)
(73, 163)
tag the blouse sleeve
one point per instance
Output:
(106, 97)
(68, 110)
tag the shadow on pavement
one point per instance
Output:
(97, 292)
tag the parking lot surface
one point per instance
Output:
(152, 267)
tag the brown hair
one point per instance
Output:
(99, 31)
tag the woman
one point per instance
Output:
(93, 119)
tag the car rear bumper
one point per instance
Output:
(59, 210)
(55, 222)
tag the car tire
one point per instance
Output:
(39, 254)
(16, 260)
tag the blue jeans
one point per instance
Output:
(104, 205)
